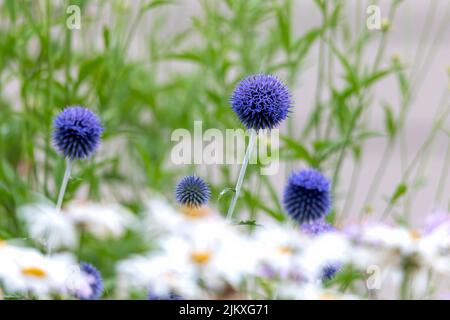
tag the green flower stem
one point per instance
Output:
(443, 177)
(248, 153)
(62, 190)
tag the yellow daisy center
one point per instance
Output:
(2, 243)
(285, 250)
(415, 235)
(201, 257)
(195, 213)
(34, 272)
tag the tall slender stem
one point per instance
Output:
(248, 153)
(379, 174)
(62, 190)
(443, 178)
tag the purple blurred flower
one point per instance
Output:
(261, 101)
(192, 191)
(307, 196)
(95, 283)
(77, 132)
(329, 271)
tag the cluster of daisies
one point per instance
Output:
(28, 273)
(198, 254)
(54, 271)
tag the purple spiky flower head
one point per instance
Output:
(329, 271)
(261, 101)
(192, 191)
(77, 132)
(94, 288)
(307, 196)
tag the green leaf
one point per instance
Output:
(399, 192)
(351, 73)
(389, 121)
(225, 191)
(367, 81)
(248, 223)
(334, 18)
(89, 67)
(256, 202)
(284, 27)
(322, 5)
(188, 56)
(11, 8)
(154, 4)
(106, 37)
(299, 151)
(374, 77)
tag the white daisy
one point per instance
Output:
(48, 227)
(160, 217)
(310, 291)
(26, 270)
(102, 220)
(279, 247)
(323, 251)
(159, 274)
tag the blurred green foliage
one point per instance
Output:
(188, 75)
(185, 75)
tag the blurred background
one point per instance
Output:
(371, 106)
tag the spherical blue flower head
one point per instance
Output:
(307, 196)
(95, 283)
(171, 296)
(192, 191)
(329, 271)
(317, 227)
(261, 101)
(77, 132)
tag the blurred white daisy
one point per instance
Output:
(101, 220)
(27, 271)
(161, 217)
(390, 237)
(309, 291)
(324, 254)
(279, 246)
(211, 257)
(159, 274)
(389, 246)
(434, 247)
(48, 227)
(214, 253)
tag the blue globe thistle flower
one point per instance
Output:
(77, 132)
(317, 227)
(95, 282)
(171, 296)
(261, 101)
(329, 271)
(307, 196)
(192, 191)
